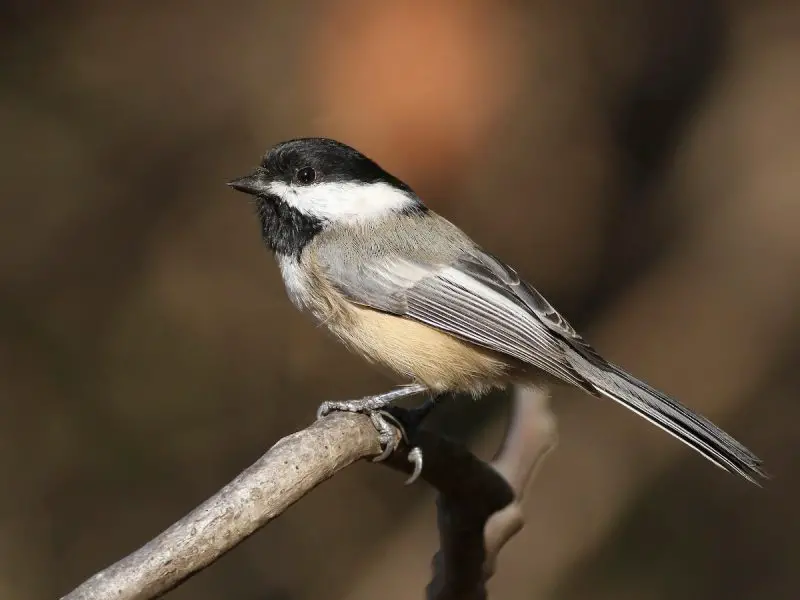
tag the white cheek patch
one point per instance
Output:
(343, 202)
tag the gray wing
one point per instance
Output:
(474, 297)
(477, 298)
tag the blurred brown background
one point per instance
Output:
(639, 161)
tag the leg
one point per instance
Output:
(370, 404)
(374, 407)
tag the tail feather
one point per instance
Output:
(692, 429)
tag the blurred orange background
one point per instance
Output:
(638, 161)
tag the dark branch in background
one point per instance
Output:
(478, 504)
(484, 511)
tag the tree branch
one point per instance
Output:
(478, 505)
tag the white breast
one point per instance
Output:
(296, 281)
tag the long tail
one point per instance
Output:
(692, 429)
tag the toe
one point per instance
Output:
(323, 410)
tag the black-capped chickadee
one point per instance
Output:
(407, 289)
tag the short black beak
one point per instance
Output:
(249, 184)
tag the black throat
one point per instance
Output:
(286, 231)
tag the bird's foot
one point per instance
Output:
(386, 419)
(408, 420)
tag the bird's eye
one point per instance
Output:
(305, 175)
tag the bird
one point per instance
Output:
(409, 291)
